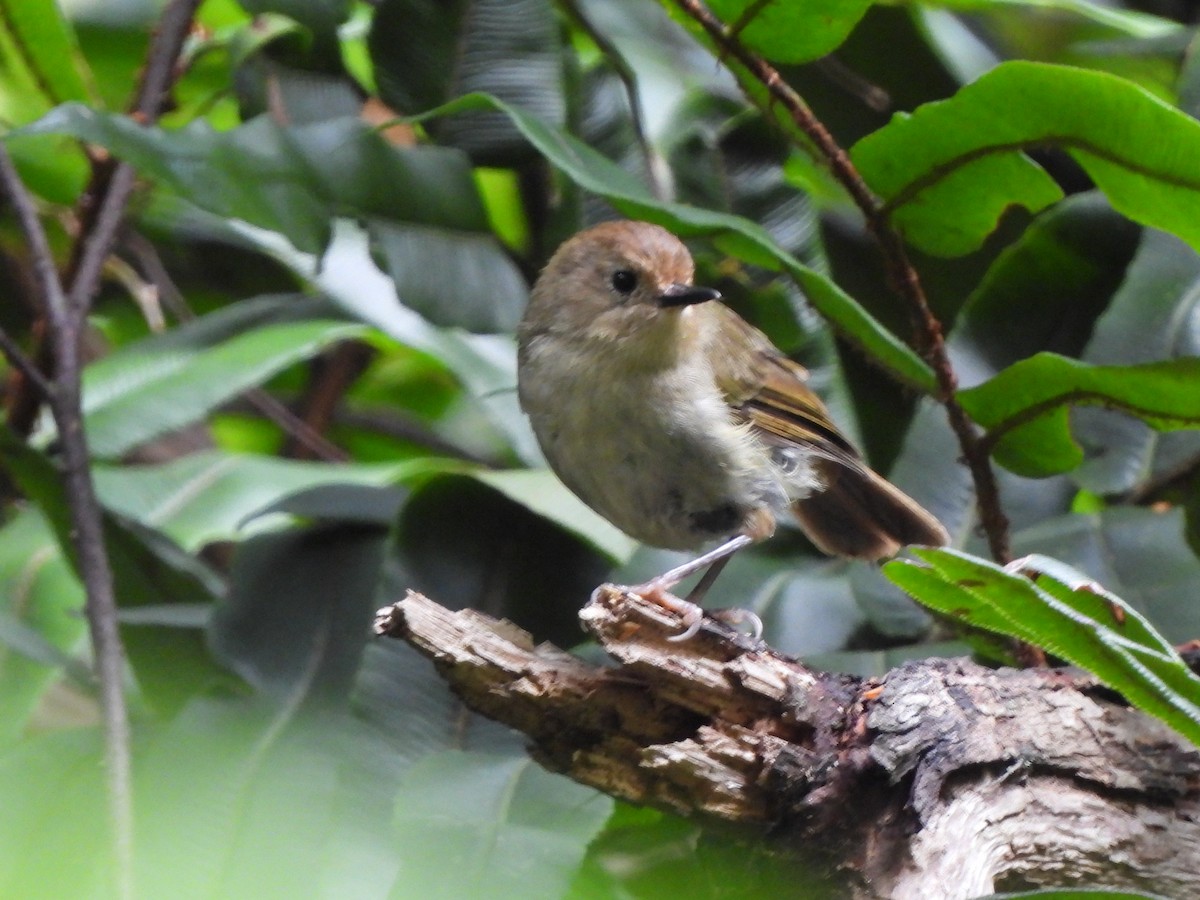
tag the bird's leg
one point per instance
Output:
(659, 589)
(721, 554)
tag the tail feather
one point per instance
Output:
(859, 514)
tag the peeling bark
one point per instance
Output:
(943, 779)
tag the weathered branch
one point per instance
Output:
(941, 780)
(901, 273)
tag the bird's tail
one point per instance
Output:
(861, 515)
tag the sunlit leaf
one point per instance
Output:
(791, 32)
(948, 171)
(163, 383)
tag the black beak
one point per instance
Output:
(686, 295)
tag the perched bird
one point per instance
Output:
(680, 423)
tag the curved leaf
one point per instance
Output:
(1135, 551)
(1046, 289)
(1075, 619)
(215, 496)
(948, 171)
(148, 389)
(295, 180)
(39, 46)
(1025, 407)
(741, 237)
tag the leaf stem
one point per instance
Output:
(901, 274)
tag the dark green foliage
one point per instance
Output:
(303, 245)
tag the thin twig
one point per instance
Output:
(14, 353)
(298, 430)
(87, 528)
(169, 294)
(39, 247)
(901, 274)
(66, 312)
(628, 78)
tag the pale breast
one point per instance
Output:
(657, 454)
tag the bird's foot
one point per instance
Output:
(692, 616)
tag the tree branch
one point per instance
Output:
(66, 313)
(936, 781)
(901, 274)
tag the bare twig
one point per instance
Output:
(901, 274)
(39, 247)
(65, 312)
(86, 524)
(331, 375)
(299, 432)
(18, 357)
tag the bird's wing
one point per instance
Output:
(771, 392)
(855, 512)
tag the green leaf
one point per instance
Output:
(460, 539)
(542, 492)
(282, 801)
(474, 825)
(40, 624)
(743, 238)
(483, 292)
(215, 496)
(37, 42)
(1126, 21)
(292, 180)
(791, 32)
(146, 569)
(1135, 551)
(165, 382)
(1154, 315)
(1024, 408)
(947, 172)
(1074, 619)
(1046, 289)
(317, 584)
(33, 820)
(486, 364)
(322, 16)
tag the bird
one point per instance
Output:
(682, 424)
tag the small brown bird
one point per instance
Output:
(680, 423)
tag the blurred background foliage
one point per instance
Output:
(301, 395)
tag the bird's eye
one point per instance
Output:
(624, 281)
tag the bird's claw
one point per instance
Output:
(692, 616)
